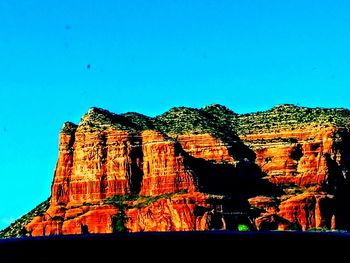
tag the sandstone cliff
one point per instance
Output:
(200, 169)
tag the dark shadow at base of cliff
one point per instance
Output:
(338, 184)
(179, 246)
(242, 180)
(236, 182)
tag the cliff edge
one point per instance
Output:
(198, 169)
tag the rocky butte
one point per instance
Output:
(198, 169)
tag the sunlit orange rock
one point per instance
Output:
(205, 146)
(293, 156)
(302, 170)
(180, 213)
(308, 210)
(163, 169)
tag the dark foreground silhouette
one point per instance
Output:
(174, 246)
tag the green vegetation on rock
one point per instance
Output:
(215, 119)
(182, 120)
(97, 119)
(288, 116)
(69, 128)
(222, 122)
(16, 229)
(140, 121)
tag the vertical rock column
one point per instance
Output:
(163, 167)
(61, 182)
(122, 161)
(102, 165)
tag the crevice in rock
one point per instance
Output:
(136, 166)
(297, 153)
(103, 159)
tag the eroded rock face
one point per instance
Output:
(95, 165)
(81, 220)
(181, 213)
(206, 146)
(163, 169)
(278, 179)
(309, 210)
(304, 163)
(294, 156)
(61, 183)
(103, 164)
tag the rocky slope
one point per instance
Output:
(199, 169)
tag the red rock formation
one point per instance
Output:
(293, 156)
(60, 186)
(96, 163)
(205, 146)
(163, 166)
(172, 214)
(176, 213)
(308, 210)
(95, 167)
(296, 159)
(104, 164)
(91, 219)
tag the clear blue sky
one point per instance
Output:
(149, 56)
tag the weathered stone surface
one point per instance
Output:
(293, 156)
(308, 210)
(205, 146)
(181, 213)
(163, 169)
(295, 177)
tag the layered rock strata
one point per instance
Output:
(203, 169)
